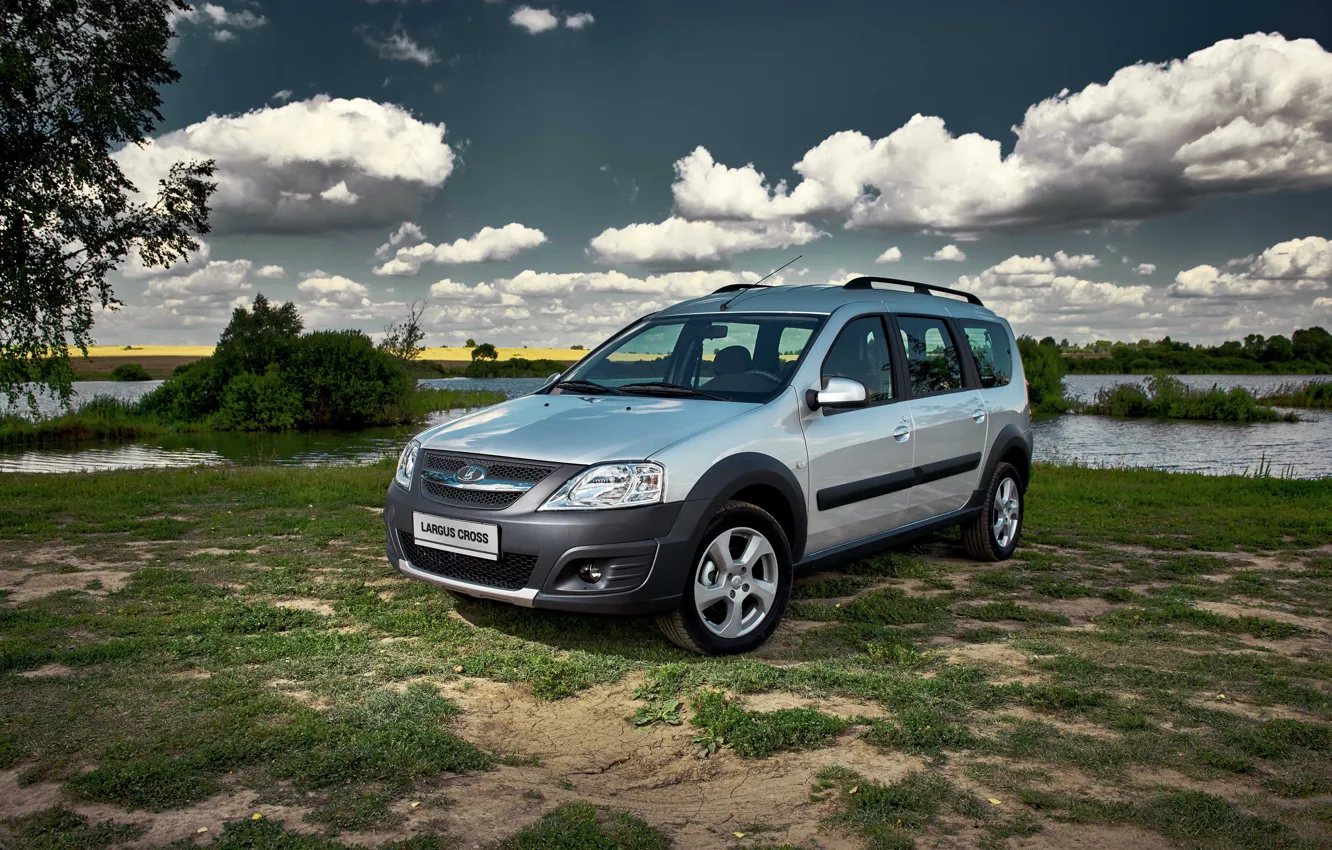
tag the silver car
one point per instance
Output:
(691, 463)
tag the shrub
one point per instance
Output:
(130, 372)
(1044, 368)
(345, 381)
(194, 392)
(485, 351)
(517, 367)
(260, 403)
(1164, 397)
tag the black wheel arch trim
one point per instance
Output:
(1010, 437)
(737, 472)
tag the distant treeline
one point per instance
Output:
(1305, 352)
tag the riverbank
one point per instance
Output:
(112, 419)
(1150, 667)
(1315, 395)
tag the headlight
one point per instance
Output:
(407, 465)
(610, 485)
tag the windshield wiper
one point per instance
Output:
(581, 386)
(667, 388)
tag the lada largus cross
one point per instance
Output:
(687, 466)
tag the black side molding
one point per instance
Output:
(881, 485)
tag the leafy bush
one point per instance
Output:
(1045, 375)
(265, 376)
(130, 372)
(1164, 397)
(259, 403)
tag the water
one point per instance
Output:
(1301, 449)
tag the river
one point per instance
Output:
(1302, 450)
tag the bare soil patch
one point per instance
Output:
(48, 671)
(35, 585)
(318, 606)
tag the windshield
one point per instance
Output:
(735, 358)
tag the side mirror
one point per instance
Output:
(838, 394)
(552, 378)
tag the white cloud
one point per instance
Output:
(1288, 267)
(677, 241)
(275, 165)
(892, 255)
(340, 194)
(406, 234)
(223, 35)
(534, 20)
(218, 281)
(211, 16)
(579, 20)
(1145, 268)
(334, 291)
(398, 46)
(282, 95)
(489, 244)
(134, 268)
(1244, 115)
(948, 254)
(271, 272)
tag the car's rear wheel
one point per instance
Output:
(737, 586)
(994, 534)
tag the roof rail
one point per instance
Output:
(920, 288)
(736, 287)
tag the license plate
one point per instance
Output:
(480, 539)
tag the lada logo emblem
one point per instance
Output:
(471, 474)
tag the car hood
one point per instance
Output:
(580, 429)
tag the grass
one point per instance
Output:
(1311, 394)
(193, 675)
(1164, 397)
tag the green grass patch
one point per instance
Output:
(580, 826)
(59, 828)
(755, 734)
(993, 612)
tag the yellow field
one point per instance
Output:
(459, 354)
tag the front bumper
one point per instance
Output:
(643, 552)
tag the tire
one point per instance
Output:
(759, 587)
(980, 538)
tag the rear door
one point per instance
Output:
(947, 412)
(860, 460)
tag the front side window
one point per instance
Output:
(735, 358)
(991, 350)
(861, 354)
(932, 361)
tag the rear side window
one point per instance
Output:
(932, 361)
(861, 354)
(992, 351)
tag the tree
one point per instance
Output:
(257, 337)
(77, 80)
(471, 343)
(575, 348)
(403, 339)
(1278, 349)
(1313, 344)
(485, 351)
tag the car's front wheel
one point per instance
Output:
(994, 534)
(737, 586)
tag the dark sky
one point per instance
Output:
(573, 131)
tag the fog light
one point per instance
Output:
(590, 573)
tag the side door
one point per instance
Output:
(948, 415)
(992, 352)
(860, 460)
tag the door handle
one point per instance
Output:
(978, 415)
(901, 433)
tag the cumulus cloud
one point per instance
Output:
(271, 272)
(1244, 115)
(1286, 268)
(489, 244)
(407, 233)
(135, 269)
(334, 291)
(948, 254)
(282, 95)
(217, 283)
(892, 255)
(1145, 268)
(680, 242)
(306, 166)
(579, 20)
(217, 20)
(398, 46)
(534, 20)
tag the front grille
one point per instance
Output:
(510, 572)
(496, 469)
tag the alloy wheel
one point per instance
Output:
(735, 583)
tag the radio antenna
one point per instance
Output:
(759, 281)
